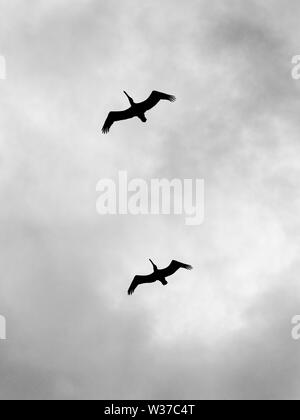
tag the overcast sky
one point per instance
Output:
(221, 331)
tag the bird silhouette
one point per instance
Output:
(158, 275)
(136, 109)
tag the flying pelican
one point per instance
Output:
(157, 275)
(136, 109)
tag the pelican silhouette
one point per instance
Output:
(158, 275)
(136, 109)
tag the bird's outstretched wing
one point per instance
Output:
(138, 280)
(153, 100)
(173, 267)
(116, 116)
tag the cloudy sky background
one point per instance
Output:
(221, 331)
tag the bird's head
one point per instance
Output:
(154, 266)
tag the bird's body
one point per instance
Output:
(136, 109)
(158, 275)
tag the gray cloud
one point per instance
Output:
(224, 331)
